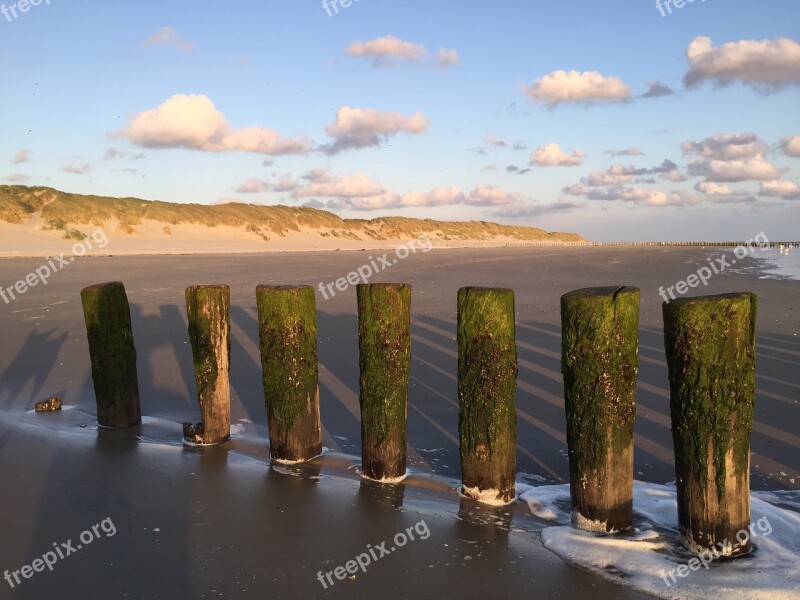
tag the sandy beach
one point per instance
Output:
(155, 238)
(219, 522)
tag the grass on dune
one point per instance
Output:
(18, 203)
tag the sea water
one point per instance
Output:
(774, 262)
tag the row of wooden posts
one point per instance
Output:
(710, 348)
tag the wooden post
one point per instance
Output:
(487, 374)
(287, 322)
(710, 346)
(600, 361)
(113, 354)
(384, 343)
(208, 309)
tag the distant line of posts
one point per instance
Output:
(710, 348)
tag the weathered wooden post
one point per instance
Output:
(113, 354)
(287, 322)
(710, 346)
(208, 309)
(487, 374)
(600, 361)
(384, 344)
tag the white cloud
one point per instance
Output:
(382, 202)
(193, 122)
(618, 175)
(516, 170)
(614, 175)
(167, 36)
(286, 184)
(386, 51)
(76, 169)
(656, 89)
(436, 197)
(446, 57)
(113, 154)
(489, 195)
(676, 198)
(23, 156)
(643, 196)
(673, 175)
(444, 197)
(362, 128)
(578, 87)
(252, 186)
(646, 197)
(626, 152)
(719, 193)
(754, 168)
(319, 175)
(388, 200)
(766, 65)
(726, 146)
(481, 195)
(788, 190)
(495, 142)
(18, 178)
(551, 155)
(730, 157)
(713, 189)
(356, 185)
(359, 192)
(577, 189)
(523, 210)
(791, 145)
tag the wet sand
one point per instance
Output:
(230, 526)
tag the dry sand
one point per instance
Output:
(151, 237)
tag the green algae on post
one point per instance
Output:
(113, 354)
(384, 343)
(487, 382)
(208, 310)
(710, 347)
(287, 323)
(600, 361)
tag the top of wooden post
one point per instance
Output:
(600, 292)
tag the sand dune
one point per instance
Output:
(37, 221)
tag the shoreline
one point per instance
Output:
(749, 265)
(394, 244)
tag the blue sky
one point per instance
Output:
(507, 111)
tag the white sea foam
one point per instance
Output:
(642, 558)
